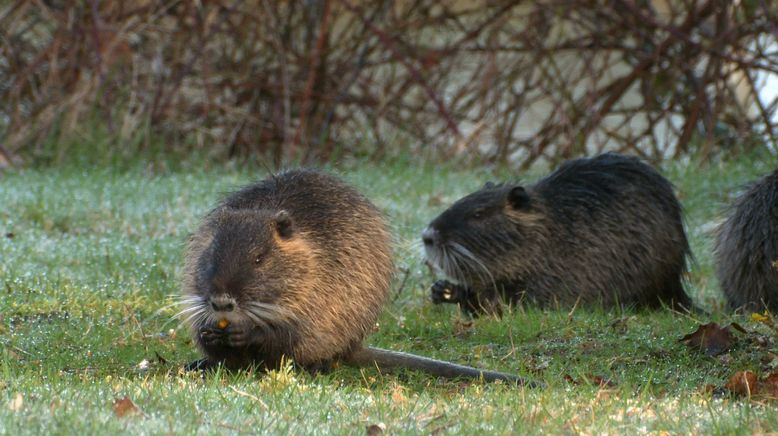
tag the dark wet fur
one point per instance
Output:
(746, 248)
(606, 230)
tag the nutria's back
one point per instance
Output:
(607, 229)
(299, 264)
(746, 249)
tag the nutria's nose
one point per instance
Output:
(430, 236)
(222, 303)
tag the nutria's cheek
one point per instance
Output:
(432, 255)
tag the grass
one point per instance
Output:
(90, 257)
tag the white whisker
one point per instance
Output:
(469, 254)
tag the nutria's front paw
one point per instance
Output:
(210, 336)
(240, 336)
(443, 291)
(233, 336)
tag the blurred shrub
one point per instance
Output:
(309, 80)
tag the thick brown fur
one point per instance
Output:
(605, 230)
(746, 248)
(323, 284)
(299, 265)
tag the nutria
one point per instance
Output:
(746, 248)
(606, 229)
(297, 265)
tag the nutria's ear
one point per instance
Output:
(518, 198)
(489, 185)
(283, 223)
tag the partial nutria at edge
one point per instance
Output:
(746, 248)
(605, 230)
(296, 265)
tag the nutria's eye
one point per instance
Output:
(478, 214)
(257, 260)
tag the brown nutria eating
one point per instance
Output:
(299, 266)
(606, 230)
(746, 248)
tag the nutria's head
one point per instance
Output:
(486, 235)
(246, 267)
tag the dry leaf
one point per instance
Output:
(125, 407)
(463, 328)
(602, 382)
(375, 429)
(398, 396)
(16, 403)
(435, 200)
(593, 379)
(710, 339)
(769, 386)
(538, 364)
(621, 324)
(743, 383)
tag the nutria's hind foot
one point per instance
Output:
(443, 291)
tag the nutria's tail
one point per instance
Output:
(387, 359)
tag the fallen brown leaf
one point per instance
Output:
(16, 403)
(375, 429)
(537, 364)
(463, 328)
(602, 382)
(593, 379)
(588, 346)
(622, 324)
(435, 200)
(125, 407)
(743, 383)
(711, 339)
(398, 396)
(769, 386)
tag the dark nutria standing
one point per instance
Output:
(297, 265)
(603, 230)
(746, 248)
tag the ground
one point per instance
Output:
(91, 257)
